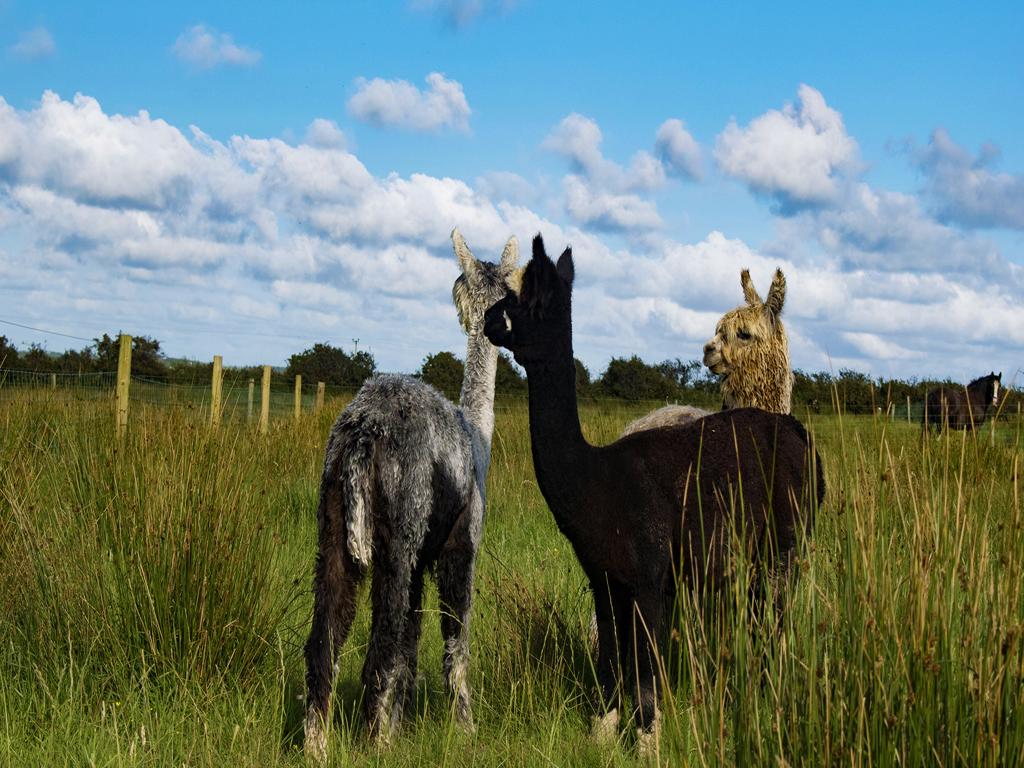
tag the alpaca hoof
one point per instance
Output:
(315, 744)
(647, 739)
(604, 729)
(464, 719)
(646, 744)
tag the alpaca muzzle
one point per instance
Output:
(497, 327)
(713, 359)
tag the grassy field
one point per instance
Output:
(155, 598)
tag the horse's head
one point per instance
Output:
(984, 391)
(997, 380)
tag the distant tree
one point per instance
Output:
(583, 386)
(856, 391)
(683, 374)
(82, 361)
(812, 391)
(443, 371)
(633, 379)
(147, 360)
(8, 354)
(195, 372)
(38, 359)
(508, 379)
(332, 365)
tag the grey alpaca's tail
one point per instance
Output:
(338, 571)
(355, 468)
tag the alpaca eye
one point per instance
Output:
(743, 335)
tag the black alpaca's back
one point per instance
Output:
(676, 495)
(744, 472)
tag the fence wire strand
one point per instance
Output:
(236, 391)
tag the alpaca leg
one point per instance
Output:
(604, 726)
(646, 627)
(455, 590)
(336, 579)
(410, 645)
(381, 670)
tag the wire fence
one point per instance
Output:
(242, 397)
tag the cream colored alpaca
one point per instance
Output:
(750, 351)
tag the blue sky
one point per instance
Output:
(297, 170)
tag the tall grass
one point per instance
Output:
(155, 600)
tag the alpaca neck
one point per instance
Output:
(561, 455)
(477, 398)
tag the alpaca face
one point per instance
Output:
(744, 334)
(536, 325)
(482, 283)
(738, 334)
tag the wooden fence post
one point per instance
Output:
(248, 412)
(908, 409)
(124, 375)
(53, 381)
(320, 387)
(215, 393)
(298, 396)
(265, 401)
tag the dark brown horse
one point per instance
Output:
(962, 407)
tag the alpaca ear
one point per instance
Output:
(539, 254)
(750, 293)
(532, 284)
(510, 256)
(565, 267)
(467, 262)
(777, 293)
(514, 280)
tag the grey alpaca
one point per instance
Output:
(403, 487)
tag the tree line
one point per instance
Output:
(624, 378)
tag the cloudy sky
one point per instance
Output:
(246, 181)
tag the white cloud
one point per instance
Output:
(795, 155)
(74, 148)
(872, 345)
(888, 231)
(36, 43)
(678, 150)
(965, 190)
(325, 134)
(205, 48)
(579, 139)
(254, 247)
(603, 194)
(505, 185)
(400, 104)
(608, 211)
(804, 159)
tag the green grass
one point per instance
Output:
(155, 600)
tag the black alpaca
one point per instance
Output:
(656, 502)
(961, 407)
